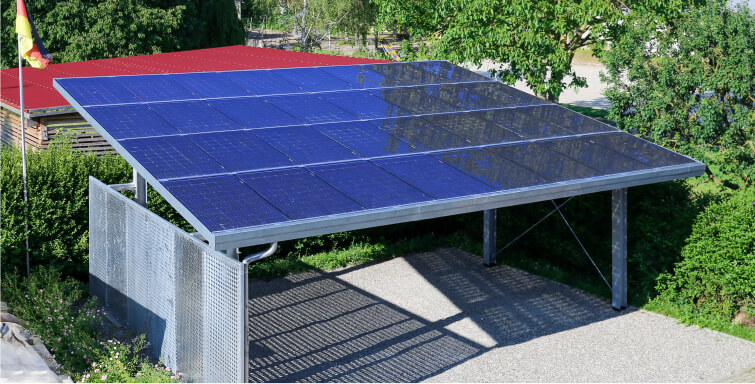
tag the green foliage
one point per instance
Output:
(314, 20)
(717, 271)
(78, 30)
(533, 41)
(69, 329)
(58, 189)
(58, 205)
(692, 87)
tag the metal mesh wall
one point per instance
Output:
(161, 281)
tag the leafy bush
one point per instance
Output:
(68, 324)
(717, 272)
(58, 205)
(690, 86)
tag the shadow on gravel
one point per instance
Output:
(316, 327)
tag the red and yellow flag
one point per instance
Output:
(30, 44)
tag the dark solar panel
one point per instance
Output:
(254, 112)
(171, 157)
(240, 150)
(313, 79)
(155, 88)
(194, 116)
(432, 176)
(305, 145)
(360, 76)
(223, 202)
(473, 127)
(97, 90)
(414, 100)
(312, 150)
(210, 85)
(263, 82)
(365, 139)
(368, 185)
(421, 133)
(494, 170)
(364, 105)
(131, 121)
(310, 108)
(298, 193)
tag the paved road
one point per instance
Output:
(443, 317)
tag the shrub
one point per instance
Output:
(717, 272)
(59, 313)
(689, 85)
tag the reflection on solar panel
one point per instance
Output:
(259, 156)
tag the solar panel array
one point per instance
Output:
(244, 149)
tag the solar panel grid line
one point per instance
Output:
(438, 208)
(432, 152)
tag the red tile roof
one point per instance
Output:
(39, 93)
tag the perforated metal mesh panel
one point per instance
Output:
(161, 281)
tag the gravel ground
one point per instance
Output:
(443, 317)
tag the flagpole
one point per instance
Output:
(23, 153)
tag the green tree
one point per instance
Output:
(313, 20)
(77, 30)
(692, 87)
(533, 40)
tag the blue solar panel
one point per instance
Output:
(313, 79)
(414, 100)
(240, 151)
(156, 88)
(131, 121)
(305, 145)
(450, 72)
(97, 91)
(365, 139)
(459, 96)
(492, 169)
(364, 104)
(474, 128)
(223, 202)
(594, 155)
(408, 73)
(254, 112)
(537, 157)
(171, 157)
(421, 133)
(504, 94)
(360, 76)
(433, 177)
(640, 150)
(310, 108)
(368, 185)
(298, 193)
(212, 84)
(194, 116)
(263, 82)
(567, 119)
(523, 123)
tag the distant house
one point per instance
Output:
(48, 113)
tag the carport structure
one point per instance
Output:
(255, 157)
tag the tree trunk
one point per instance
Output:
(303, 36)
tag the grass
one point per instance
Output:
(587, 111)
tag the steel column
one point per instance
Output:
(488, 233)
(619, 248)
(140, 189)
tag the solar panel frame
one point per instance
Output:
(239, 237)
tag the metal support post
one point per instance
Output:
(619, 248)
(140, 189)
(248, 260)
(488, 233)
